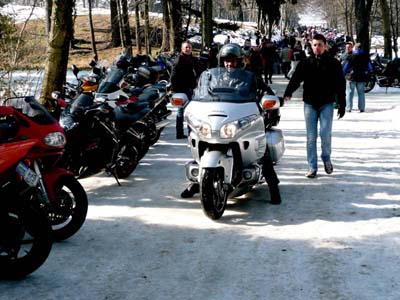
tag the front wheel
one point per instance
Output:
(127, 161)
(213, 194)
(25, 242)
(68, 212)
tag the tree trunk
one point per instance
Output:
(207, 26)
(387, 34)
(147, 28)
(165, 33)
(137, 30)
(363, 12)
(94, 49)
(394, 13)
(175, 14)
(115, 30)
(126, 27)
(49, 4)
(58, 49)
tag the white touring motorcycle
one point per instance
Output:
(229, 135)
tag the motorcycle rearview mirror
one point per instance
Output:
(92, 63)
(55, 95)
(75, 70)
(179, 99)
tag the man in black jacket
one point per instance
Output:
(183, 80)
(323, 84)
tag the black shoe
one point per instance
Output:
(275, 195)
(311, 174)
(181, 136)
(328, 167)
(192, 189)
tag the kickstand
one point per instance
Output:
(109, 170)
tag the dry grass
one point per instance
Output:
(33, 53)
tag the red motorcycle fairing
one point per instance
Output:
(12, 152)
(51, 177)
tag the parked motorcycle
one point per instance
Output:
(94, 143)
(61, 197)
(385, 75)
(228, 139)
(25, 232)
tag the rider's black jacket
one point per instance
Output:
(323, 81)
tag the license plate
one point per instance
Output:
(30, 177)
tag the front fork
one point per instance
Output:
(211, 159)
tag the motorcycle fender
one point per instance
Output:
(50, 178)
(217, 159)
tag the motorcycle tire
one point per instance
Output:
(213, 196)
(68, 212)
(140, 143)
(127, 161)
(369, 86)
(25, 242)
(153, 135)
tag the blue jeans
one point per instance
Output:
(350, 86)
(325, 116)
(180, 113)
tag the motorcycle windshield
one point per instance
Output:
(80, 104)
(110, 83)
(31, 108)
(218, 85)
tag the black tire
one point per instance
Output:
(213, 196)
(25, 244)
(369, 86)
(68, 212)
(140, 132)
(127, 161)
(153, 134)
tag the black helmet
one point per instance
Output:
(231, 50)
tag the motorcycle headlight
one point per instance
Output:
(203, 128)
(55, 139)
(229, 130)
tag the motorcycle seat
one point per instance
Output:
(127, 116)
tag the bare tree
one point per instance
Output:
(93, 39)
(115, 28)
(58, 49)
(147, 27)
(207, 22)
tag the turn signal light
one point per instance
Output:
(177, 101)
(269, 104)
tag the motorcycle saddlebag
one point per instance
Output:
(275, 144)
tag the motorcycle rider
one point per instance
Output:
(235, 76)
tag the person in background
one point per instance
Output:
(234, 74)
(347, 52)
(356, 70)
(323, 83)
(183, 80)
(285, 60)
(296, 54)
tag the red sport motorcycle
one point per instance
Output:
(25, 232)
(60, 195)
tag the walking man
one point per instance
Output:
(323, 82)
(183, 80)
(356, 71)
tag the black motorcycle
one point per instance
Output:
(384, 74)
(93, 141)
